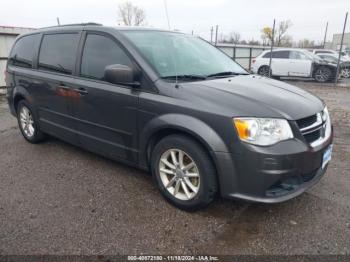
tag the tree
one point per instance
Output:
(234, 37)
(306, 43)
(131, 15)
(281, 38)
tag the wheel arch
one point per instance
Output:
(19, 94)
(179, 124)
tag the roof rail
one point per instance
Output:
(78, 24)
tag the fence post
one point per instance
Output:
(250, 58)
(272, 42)
(216, 35)
(341, 48)
(234, 53)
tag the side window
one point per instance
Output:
(99, 52)
(277, 54)
(23, 51)
(57, 52)
(280, 54)
(267, 55)
(298, 55)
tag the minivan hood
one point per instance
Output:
(254, 95)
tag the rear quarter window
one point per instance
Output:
(58, 52)
(22, 53)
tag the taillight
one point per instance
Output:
(253, 61)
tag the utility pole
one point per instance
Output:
(58, 21)
(216, 35)
(211, 35)
(341, 48)
(272, 42)
(325, 36)
(166, 13)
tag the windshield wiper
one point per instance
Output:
(226, 73)
(186, 77)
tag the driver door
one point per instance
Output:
(105, 113)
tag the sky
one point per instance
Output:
(248, 17)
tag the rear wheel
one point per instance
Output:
(322, 74)
(27, 123)
(184, 172)
(264, 71)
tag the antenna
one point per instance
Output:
(58, 21)
(166, 13)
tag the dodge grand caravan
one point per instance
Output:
(174, 105)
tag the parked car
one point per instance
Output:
(293, 63)
(344, 63)
(329, 51)
(174, 105)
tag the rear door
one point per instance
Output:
(280, 63)
(300, 64)
(105, 113)
(53, 82)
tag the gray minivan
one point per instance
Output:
(172, 104)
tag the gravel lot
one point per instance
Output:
(59, 199)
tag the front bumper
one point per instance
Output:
(271, 174)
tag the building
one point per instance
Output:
(8, 35)
(337, 39)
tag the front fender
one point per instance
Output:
(183, 123)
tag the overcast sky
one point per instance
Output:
(247, 17)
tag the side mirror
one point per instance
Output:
(120, 74)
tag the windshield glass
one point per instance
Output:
(176, 54)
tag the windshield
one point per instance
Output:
(176, 54)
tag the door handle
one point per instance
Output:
(81, 91)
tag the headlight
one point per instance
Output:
(327, 119)
(262, 131)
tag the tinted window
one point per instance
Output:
(57, 52)
(278, 54)
(23, 51)
(99, 52)
(267, 55)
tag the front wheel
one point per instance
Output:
(322, 74)
(184, 172)
(345, 72)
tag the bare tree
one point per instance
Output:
(131, 15)
(234, 37)
(281, 38)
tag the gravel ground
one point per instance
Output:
(59, 199)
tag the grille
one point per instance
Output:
(307, 121)
(312, 127)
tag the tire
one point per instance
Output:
(323, 74)
(28, 124)
(345, 72)
(204, 185)
(264, 71)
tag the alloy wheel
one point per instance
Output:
(27, 122)
(179, 174)
(345, 72)
(322, 75)
(264, 71)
